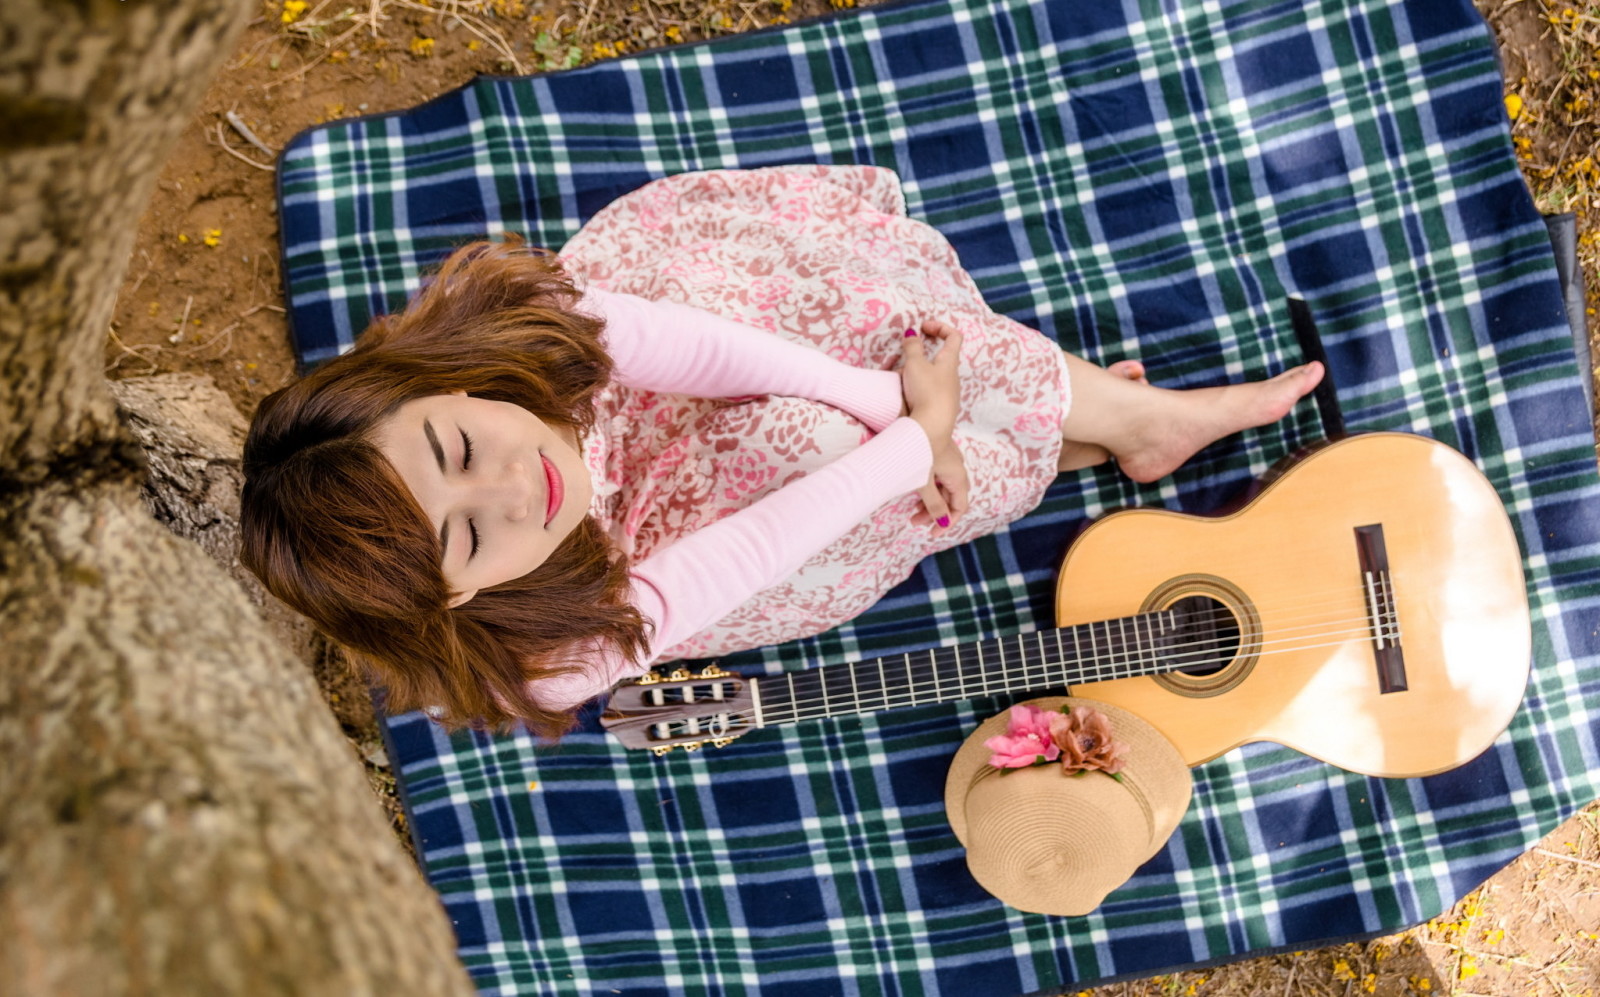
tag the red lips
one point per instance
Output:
(555, 489)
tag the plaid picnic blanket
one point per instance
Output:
(1145, 178)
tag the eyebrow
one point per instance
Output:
(438, 457)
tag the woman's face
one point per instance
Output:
(502, 487)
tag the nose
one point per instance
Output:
(514, 491)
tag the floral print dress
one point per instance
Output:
(823, 255)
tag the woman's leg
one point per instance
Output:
(1151, 431)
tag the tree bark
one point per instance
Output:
(180, 813)
(192, 439)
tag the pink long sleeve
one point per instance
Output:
(703, 577)
(662, 346)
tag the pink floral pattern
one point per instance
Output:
(824, 255)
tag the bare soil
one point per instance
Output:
(204, 294)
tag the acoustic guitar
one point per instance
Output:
(1367, 607)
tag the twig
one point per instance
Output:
(132, 351)
(236, 154)
(1568, 858)
(130, 292)
(327, 49)
(1288, 988)
(249, 136)
(1497, 957)
(226, 330)
(182, 321)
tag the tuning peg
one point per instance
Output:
(692, 745)
(665, 749)
(711, 671)
(680, 674)
(722, 742)
(648, 678)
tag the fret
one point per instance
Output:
(926, 663)
(807, 692)
(883, 685)
(1043, 657)
(1022, 656)
(836, 700)
(938, 693)
(869, 696)
(907, 664)
(855, 692)
(794, 714)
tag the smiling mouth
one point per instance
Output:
(555, 489)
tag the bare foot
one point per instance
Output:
(1176, 424)
(1075, 455)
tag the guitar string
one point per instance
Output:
(1104, 667)
(804, 708)
(1094, 668)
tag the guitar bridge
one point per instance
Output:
(1382, 622)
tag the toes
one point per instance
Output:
(1129, 370)
(1307, 376)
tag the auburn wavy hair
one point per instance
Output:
(331, 529)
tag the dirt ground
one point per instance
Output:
(204, 294)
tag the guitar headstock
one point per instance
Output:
(683, 709)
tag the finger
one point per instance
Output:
(949, 347)
(934, 507)
(956, 491)
(912, 347)
(958, 494)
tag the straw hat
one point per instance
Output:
(1053, 842)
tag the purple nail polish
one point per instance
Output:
(944, 520)
(910, 333)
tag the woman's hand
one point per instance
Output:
(932, 391)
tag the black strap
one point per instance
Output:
(1305, 333)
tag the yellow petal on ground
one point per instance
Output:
(1513, 106)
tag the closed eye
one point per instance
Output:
(466, 450)
(473, 529)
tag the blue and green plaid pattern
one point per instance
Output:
(1144, 178)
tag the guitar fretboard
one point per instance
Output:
(1043, 659)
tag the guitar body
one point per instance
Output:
(1298, 662)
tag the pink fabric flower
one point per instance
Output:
(1025, 742)
(1084, 739)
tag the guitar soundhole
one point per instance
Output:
(1215, 634)
(1206, 635)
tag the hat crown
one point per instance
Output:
(1052, 842)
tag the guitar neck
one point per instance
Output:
(1044, 659)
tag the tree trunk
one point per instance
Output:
(179, 814)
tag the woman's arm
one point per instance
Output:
(663, 346)
(705, 576)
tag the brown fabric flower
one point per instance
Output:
(1084, 736)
